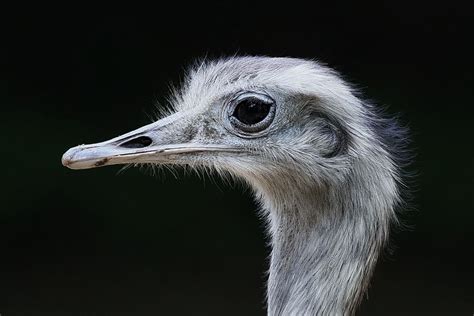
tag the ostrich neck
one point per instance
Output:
(323, 251)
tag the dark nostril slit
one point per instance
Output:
(138, 142)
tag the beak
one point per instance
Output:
(163, 141)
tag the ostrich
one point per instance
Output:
(322, 163)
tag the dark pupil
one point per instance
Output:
(251, 111)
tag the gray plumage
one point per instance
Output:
(321, 162)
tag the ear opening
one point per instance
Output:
(332, 133)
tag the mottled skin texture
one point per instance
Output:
(324, 171)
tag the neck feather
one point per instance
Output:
(325, 243)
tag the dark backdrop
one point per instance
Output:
(99, 242)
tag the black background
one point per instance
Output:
(100, 243)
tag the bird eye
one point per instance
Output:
(253, 113)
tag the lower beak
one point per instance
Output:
(93, 156)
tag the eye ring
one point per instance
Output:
(252, 112)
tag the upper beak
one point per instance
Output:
(158, 142)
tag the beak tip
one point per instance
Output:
(84, 157)
(66, 159)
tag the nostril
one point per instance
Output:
(139, 142)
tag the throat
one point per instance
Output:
(322, 257)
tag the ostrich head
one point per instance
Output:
(315, 155)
